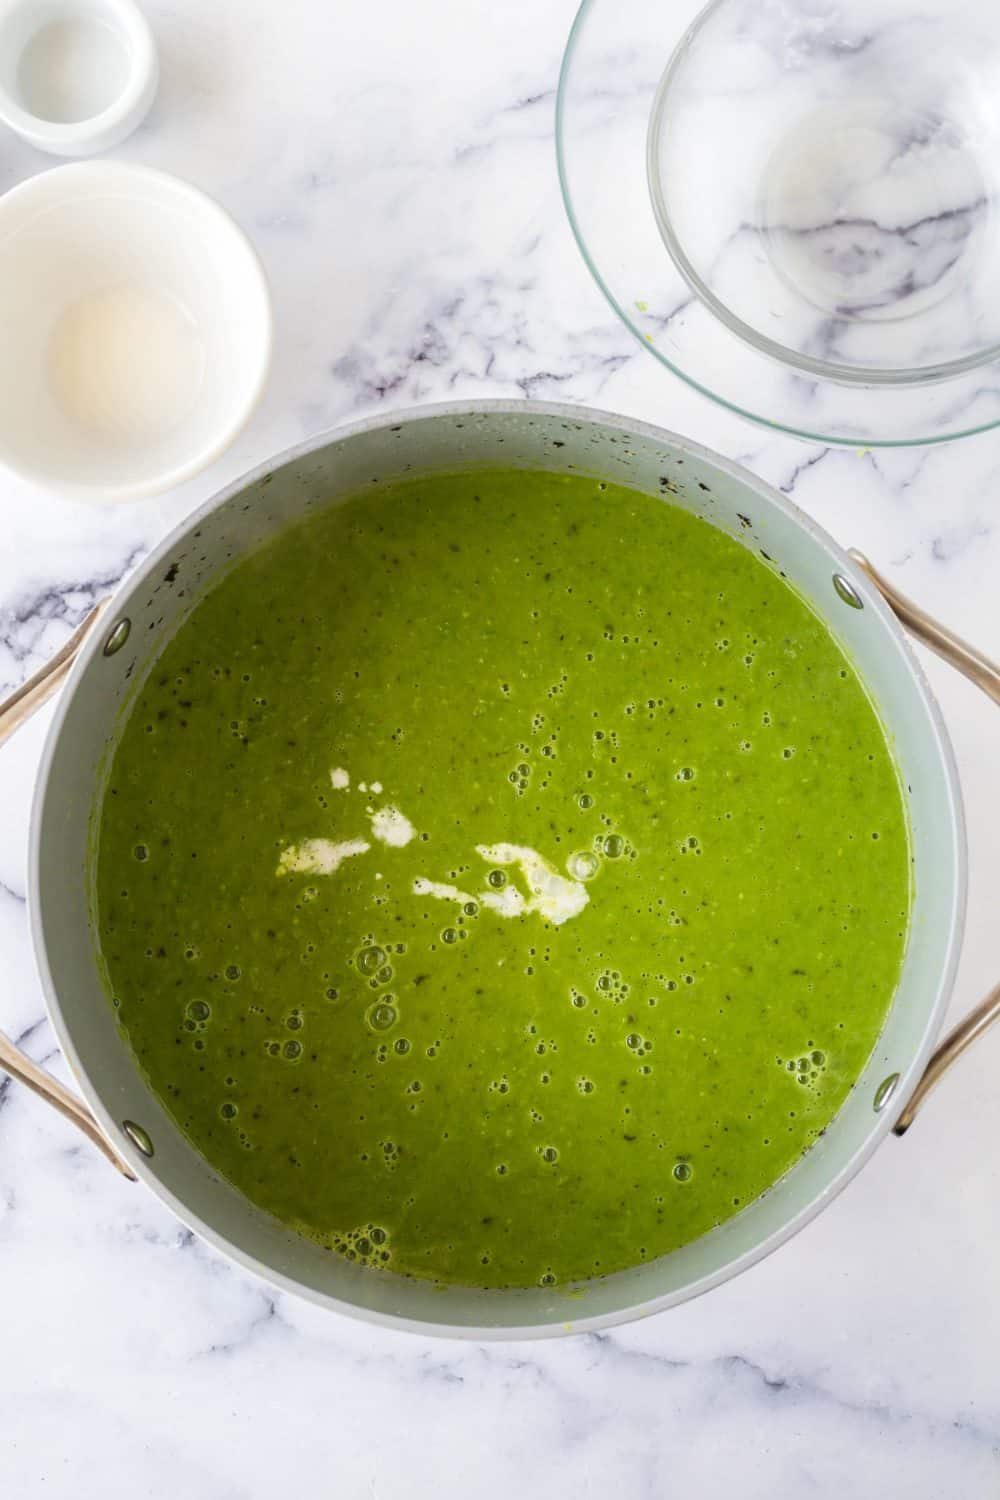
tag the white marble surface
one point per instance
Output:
(394, 165)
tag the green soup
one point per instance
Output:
(502, 878)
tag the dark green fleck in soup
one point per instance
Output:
(502, 878)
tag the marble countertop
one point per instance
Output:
(394, 166)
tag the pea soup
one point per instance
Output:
(502, 878)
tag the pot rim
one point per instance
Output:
(883, 1122)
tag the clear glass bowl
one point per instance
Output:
(794, 203)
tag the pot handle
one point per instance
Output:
(15, 711)
(986, 675)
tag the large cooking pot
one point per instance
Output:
(128, 1121)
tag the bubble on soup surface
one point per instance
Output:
(371, 959)
(381, 1016)
(583, 865)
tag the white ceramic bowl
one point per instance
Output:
(137, 330)
(76, 76)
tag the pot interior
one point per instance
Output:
(165, 589)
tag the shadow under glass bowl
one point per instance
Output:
(794, 204)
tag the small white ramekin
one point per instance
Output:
(137, 330)
(76, 76)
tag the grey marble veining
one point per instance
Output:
(394, 166)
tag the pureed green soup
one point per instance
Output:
(502, 878)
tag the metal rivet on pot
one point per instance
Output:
(139, 1137)
(847, 592)
(884, 1092)
(117, 637)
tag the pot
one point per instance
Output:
(126, 1119)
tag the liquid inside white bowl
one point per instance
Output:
(72, 69)
(126, 365)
